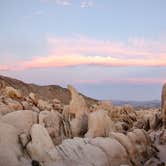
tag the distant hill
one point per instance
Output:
(47, 92)
(139, 104)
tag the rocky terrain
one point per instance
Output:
(53, 126)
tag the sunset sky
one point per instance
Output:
(107, 49)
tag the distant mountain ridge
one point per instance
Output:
(138, 104)
(47, 92)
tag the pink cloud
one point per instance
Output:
(133, 48)
(4, 68)
(80, 50)
(76, 60)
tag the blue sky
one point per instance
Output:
(109, 49)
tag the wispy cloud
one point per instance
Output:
(59, 2)
(4, 68)
(86, 4)
(76, 60)
(134, 48)
(63, 2)
(126, 80)
(75, 51)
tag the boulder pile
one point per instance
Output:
(38, 132)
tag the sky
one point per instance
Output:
(107, 49)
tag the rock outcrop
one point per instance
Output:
(12, 92)
(163, 105)
(38, 130)
(52, 122)
(10, 150)
(22, 120)
(116, 150)
(40, 145)
(99, 124)
(77, 105)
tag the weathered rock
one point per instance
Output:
(79, 126)
(13, 93)
(8, 105)
(123, 114)
(163, 95)
(33, 98)
(129, 147)
(57, 105)
(10, 150)
(159, 138)
(24, 139)
(27, 105)
(163, 105)
(162, 153)
(97, 152)
(99, 124)
(143, 144)
(44, 105)
(105, 105)
(2, 85)
(154, 162)
(52, 122)
(118, 149)
(13, 105)
(4, 109)
(22, 120)
(164, 114)
(40, 144)
(148, 119)
(77, 104)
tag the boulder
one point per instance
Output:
(163, 95)
(143, 144)
(99, 124)
(9, 105)
(27, 105)
(33, 98)
(44, 105)
(132, 149)
(52, 122)
(40, 145)
(2, 84)
(163, 105)
(10, 151)
(77, 105)
(12, 92)
(57, 105)
(154, 162)
(148, 119)
(105, 105)
(164, 114)
(123, 114)
(129, 146)
(22, 120)
(13, 104)
(79, 126)
(4, 109)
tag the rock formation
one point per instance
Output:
(37, 130)
(40, 145)
(99, 124)
(22, 120)
(163, 105)
(77, 105)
